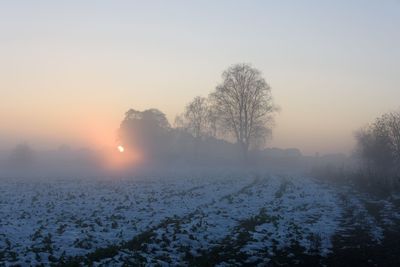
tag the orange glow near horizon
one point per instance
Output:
(115, 156)
(121, 158)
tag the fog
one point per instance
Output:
(208, 133)
(70, 81)
(227, 129)
(207, 183)
(87, 163)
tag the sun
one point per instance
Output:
(121, 149)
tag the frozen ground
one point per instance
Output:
(224, 220)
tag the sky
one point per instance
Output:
(70, 69)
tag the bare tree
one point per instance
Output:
(378, 144)
(393, 124)
(244, 105)
(196, 118)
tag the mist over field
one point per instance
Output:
(216, 133)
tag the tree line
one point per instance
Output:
(378, 146)
(240, 109)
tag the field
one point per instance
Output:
(225, 219)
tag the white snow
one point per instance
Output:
(185, 214)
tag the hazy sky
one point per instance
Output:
(70, 69)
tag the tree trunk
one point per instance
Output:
(245, 152)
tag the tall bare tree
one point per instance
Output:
(244, 105)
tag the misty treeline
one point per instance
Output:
(378, 145)
(229, 125)
(377, 155)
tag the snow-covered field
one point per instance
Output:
(223, 219)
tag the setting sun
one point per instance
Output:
(160, 132)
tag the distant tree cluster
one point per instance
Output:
(240, 109)
(148, 131)
(22, 156)
(378, 145)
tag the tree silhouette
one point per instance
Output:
(147, 131)
(244, 106)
